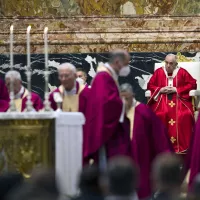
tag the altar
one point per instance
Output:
(46, 139)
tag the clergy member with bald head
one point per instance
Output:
(21, 92)
(170, 86)
(146, 133)
(73, 93)
(106, 132)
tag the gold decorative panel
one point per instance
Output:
(26, 144)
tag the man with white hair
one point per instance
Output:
(73, 94)
(21, 92)
(170, 100)
(146, 132)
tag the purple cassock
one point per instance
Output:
(102, 128)
(4, 97)
(193, 157)
(83, 95)
(149, 139)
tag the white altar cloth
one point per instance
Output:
(68, 147)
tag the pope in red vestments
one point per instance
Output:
(146, 133)
(170, 100)
(4, 97)
(21, 93)
(106, 128)
(73, 94)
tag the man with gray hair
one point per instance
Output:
(21, 92)
(170, 100)
(146, 132)
(73, 93)
(106, 133)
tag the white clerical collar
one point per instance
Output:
(72, 91)
(114, 74)
(174, 73)
(20, 93)
(134, 102)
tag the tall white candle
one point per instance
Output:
(28, 49)
(46, 47)
(11, 47)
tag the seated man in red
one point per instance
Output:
(73, 94)
(21, 92)
(170, 86)
(4, 97)
(146, 133)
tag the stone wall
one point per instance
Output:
(102, 34)
(77, 26)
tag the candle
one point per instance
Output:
(46, 47)
(28, 49)
(11, 47)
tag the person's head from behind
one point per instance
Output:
(166, 173)
(89, 180)
(41, 185)
(45, 179)
(195, 192)
(67, 75)
(170, 63)
(126, 92)
(119, 60)
(122, 176)
(16, 78)
(80, 73)
(8, 183)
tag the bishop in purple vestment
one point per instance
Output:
(4, 97)
(106, 128)
(148, 137)
(21, 92)
(194, 154)
(73, 94)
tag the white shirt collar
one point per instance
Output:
(20, 93)
(72, 91)
(114, 74)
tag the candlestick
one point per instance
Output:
(11, 47)
(29, 104)
(28, 48)
(12, 107)
(47, 106)
(46, 47)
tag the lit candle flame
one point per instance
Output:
(45, 30)
(28, 29)
(11, 28)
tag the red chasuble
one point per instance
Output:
(4, 97)
(83, 95)
(149, 138)
(21, 103)
(175, 110)
(102, 128)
